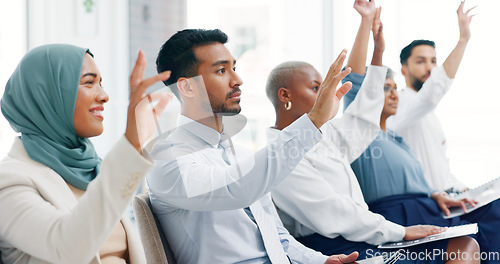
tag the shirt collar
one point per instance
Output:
(394, 135)
(207, 134)
(409, 90)
(272, 133)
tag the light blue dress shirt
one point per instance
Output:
(387, 167)
(200, 199)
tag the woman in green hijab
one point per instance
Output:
(59, 202)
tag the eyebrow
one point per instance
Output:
(422, 57)
(316, 82)
(217, 63)
(90, 74)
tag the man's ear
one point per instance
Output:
(404, 69)
(185, 87)
(284, 95)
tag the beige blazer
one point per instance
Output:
(42, 222)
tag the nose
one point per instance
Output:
(101, 96)
(429, 66)
(394, 93)
(236, 81)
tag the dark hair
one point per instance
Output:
(177, 55)
(406, 52)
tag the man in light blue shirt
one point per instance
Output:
(211, 197)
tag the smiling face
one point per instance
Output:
(417, 68)
(303, 88)
(217, 67)
(391, 98)
(87, 119)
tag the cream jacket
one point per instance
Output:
(41, 220)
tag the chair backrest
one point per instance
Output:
(153, 239)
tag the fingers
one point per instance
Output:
(343, 90)
(435, 229)
(376, 20)
(467, 12)
(461, 7)
(138, 71)
(157, 78)
(351, 258)
(472, 202)
(335, 68)
(464, 207)
(444, 208)
(140, 88)
(337, 64)
(163, 100)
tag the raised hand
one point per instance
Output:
(377, 29)
(328, 99)
(378, 39)
(464, 21)
(342, 258)
(420, 231)
(365, 8)
(141, 124)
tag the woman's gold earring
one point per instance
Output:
(288, 105)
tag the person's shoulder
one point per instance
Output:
(178, 142)
(20, 172)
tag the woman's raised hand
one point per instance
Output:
(142, 117)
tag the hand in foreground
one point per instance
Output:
(365, 9)
(342, 258)
(328, 99)
(464, 21)
(444, 202)
(420, 231)
(141, 125)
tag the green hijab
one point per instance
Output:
(39, 102)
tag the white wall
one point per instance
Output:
(288, 30)
(299, 30)
(12, 48)
(469, 113)
(105, 34)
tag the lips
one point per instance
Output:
(236, 95)
(97, 111)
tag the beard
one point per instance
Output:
(221, 108)
(417, 84)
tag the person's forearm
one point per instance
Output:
(452, 63)
(377, 57)
(357, 58)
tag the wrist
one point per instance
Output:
(367, 20)
(435, 195)
(463, 40)
(313, 119)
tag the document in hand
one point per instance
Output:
(454, 231)
(484, 194)
(391, 258)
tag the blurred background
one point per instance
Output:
(263, 34)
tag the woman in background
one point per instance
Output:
(59, 202)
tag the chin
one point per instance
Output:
(230, 112)
(94, 132)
